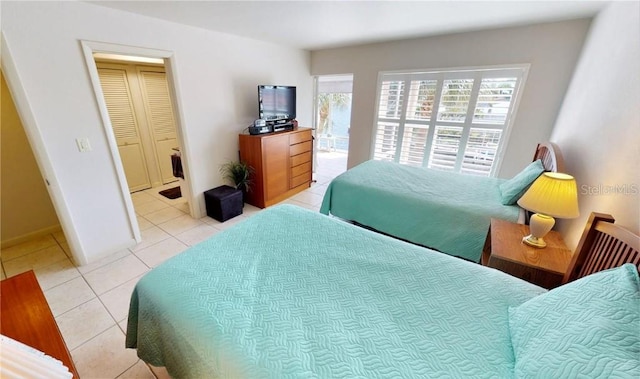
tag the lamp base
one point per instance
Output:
(539, 226)
(534, 241)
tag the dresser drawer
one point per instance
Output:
(300, 179)
(299, 159)
(300, 137)
(300, 148)
(300, 169)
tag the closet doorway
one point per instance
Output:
(138, 101)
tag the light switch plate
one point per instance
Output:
(83, 144)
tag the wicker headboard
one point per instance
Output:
(603, 245)
(550, 155)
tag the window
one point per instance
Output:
(446, 120)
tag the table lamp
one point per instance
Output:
(553, 194)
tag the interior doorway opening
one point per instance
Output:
(143, 56)
(138, 101)
(332, 124)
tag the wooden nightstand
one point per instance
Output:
(504, 250)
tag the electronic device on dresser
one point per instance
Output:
(260, 127)
(276, 109)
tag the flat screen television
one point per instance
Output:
(277, 103)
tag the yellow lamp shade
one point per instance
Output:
(553, 194)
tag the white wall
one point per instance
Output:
(598, 128)
(551, 49)
(217, 75)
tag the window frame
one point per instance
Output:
(520, 71)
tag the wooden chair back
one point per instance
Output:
(603, 245)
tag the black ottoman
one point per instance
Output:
(223, 203)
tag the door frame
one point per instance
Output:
(91, 47)
(315, 119)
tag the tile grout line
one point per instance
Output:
(116, 323)
(34, 251)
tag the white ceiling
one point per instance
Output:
(313, 25)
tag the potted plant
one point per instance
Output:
(239, 174)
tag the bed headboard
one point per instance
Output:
(549, 154)
(603, 245)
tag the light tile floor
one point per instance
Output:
(90, 302)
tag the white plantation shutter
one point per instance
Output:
(446, 120)
(480, 151)
(386, 140)
(444, 150)
(418, 114)
(454, 100)
(421, 97)
(414, 139)
(389, 111)
(391, 95)
(493, 100)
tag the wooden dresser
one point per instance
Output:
(282, 164)
(27, 318)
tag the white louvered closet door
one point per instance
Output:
(117, 94)
(160, 117)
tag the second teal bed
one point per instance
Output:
(445, 211)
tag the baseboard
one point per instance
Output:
(29, 236)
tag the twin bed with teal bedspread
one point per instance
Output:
(445, 211)
(294, 294)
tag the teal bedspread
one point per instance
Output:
(445, 211)
(294, 294)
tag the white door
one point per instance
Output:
(117, 95)
(160, 118)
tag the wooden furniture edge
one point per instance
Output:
(555, 259)
(506, 252)
(586, 240)
(602, 223)
(26, 317)
(252, 150)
